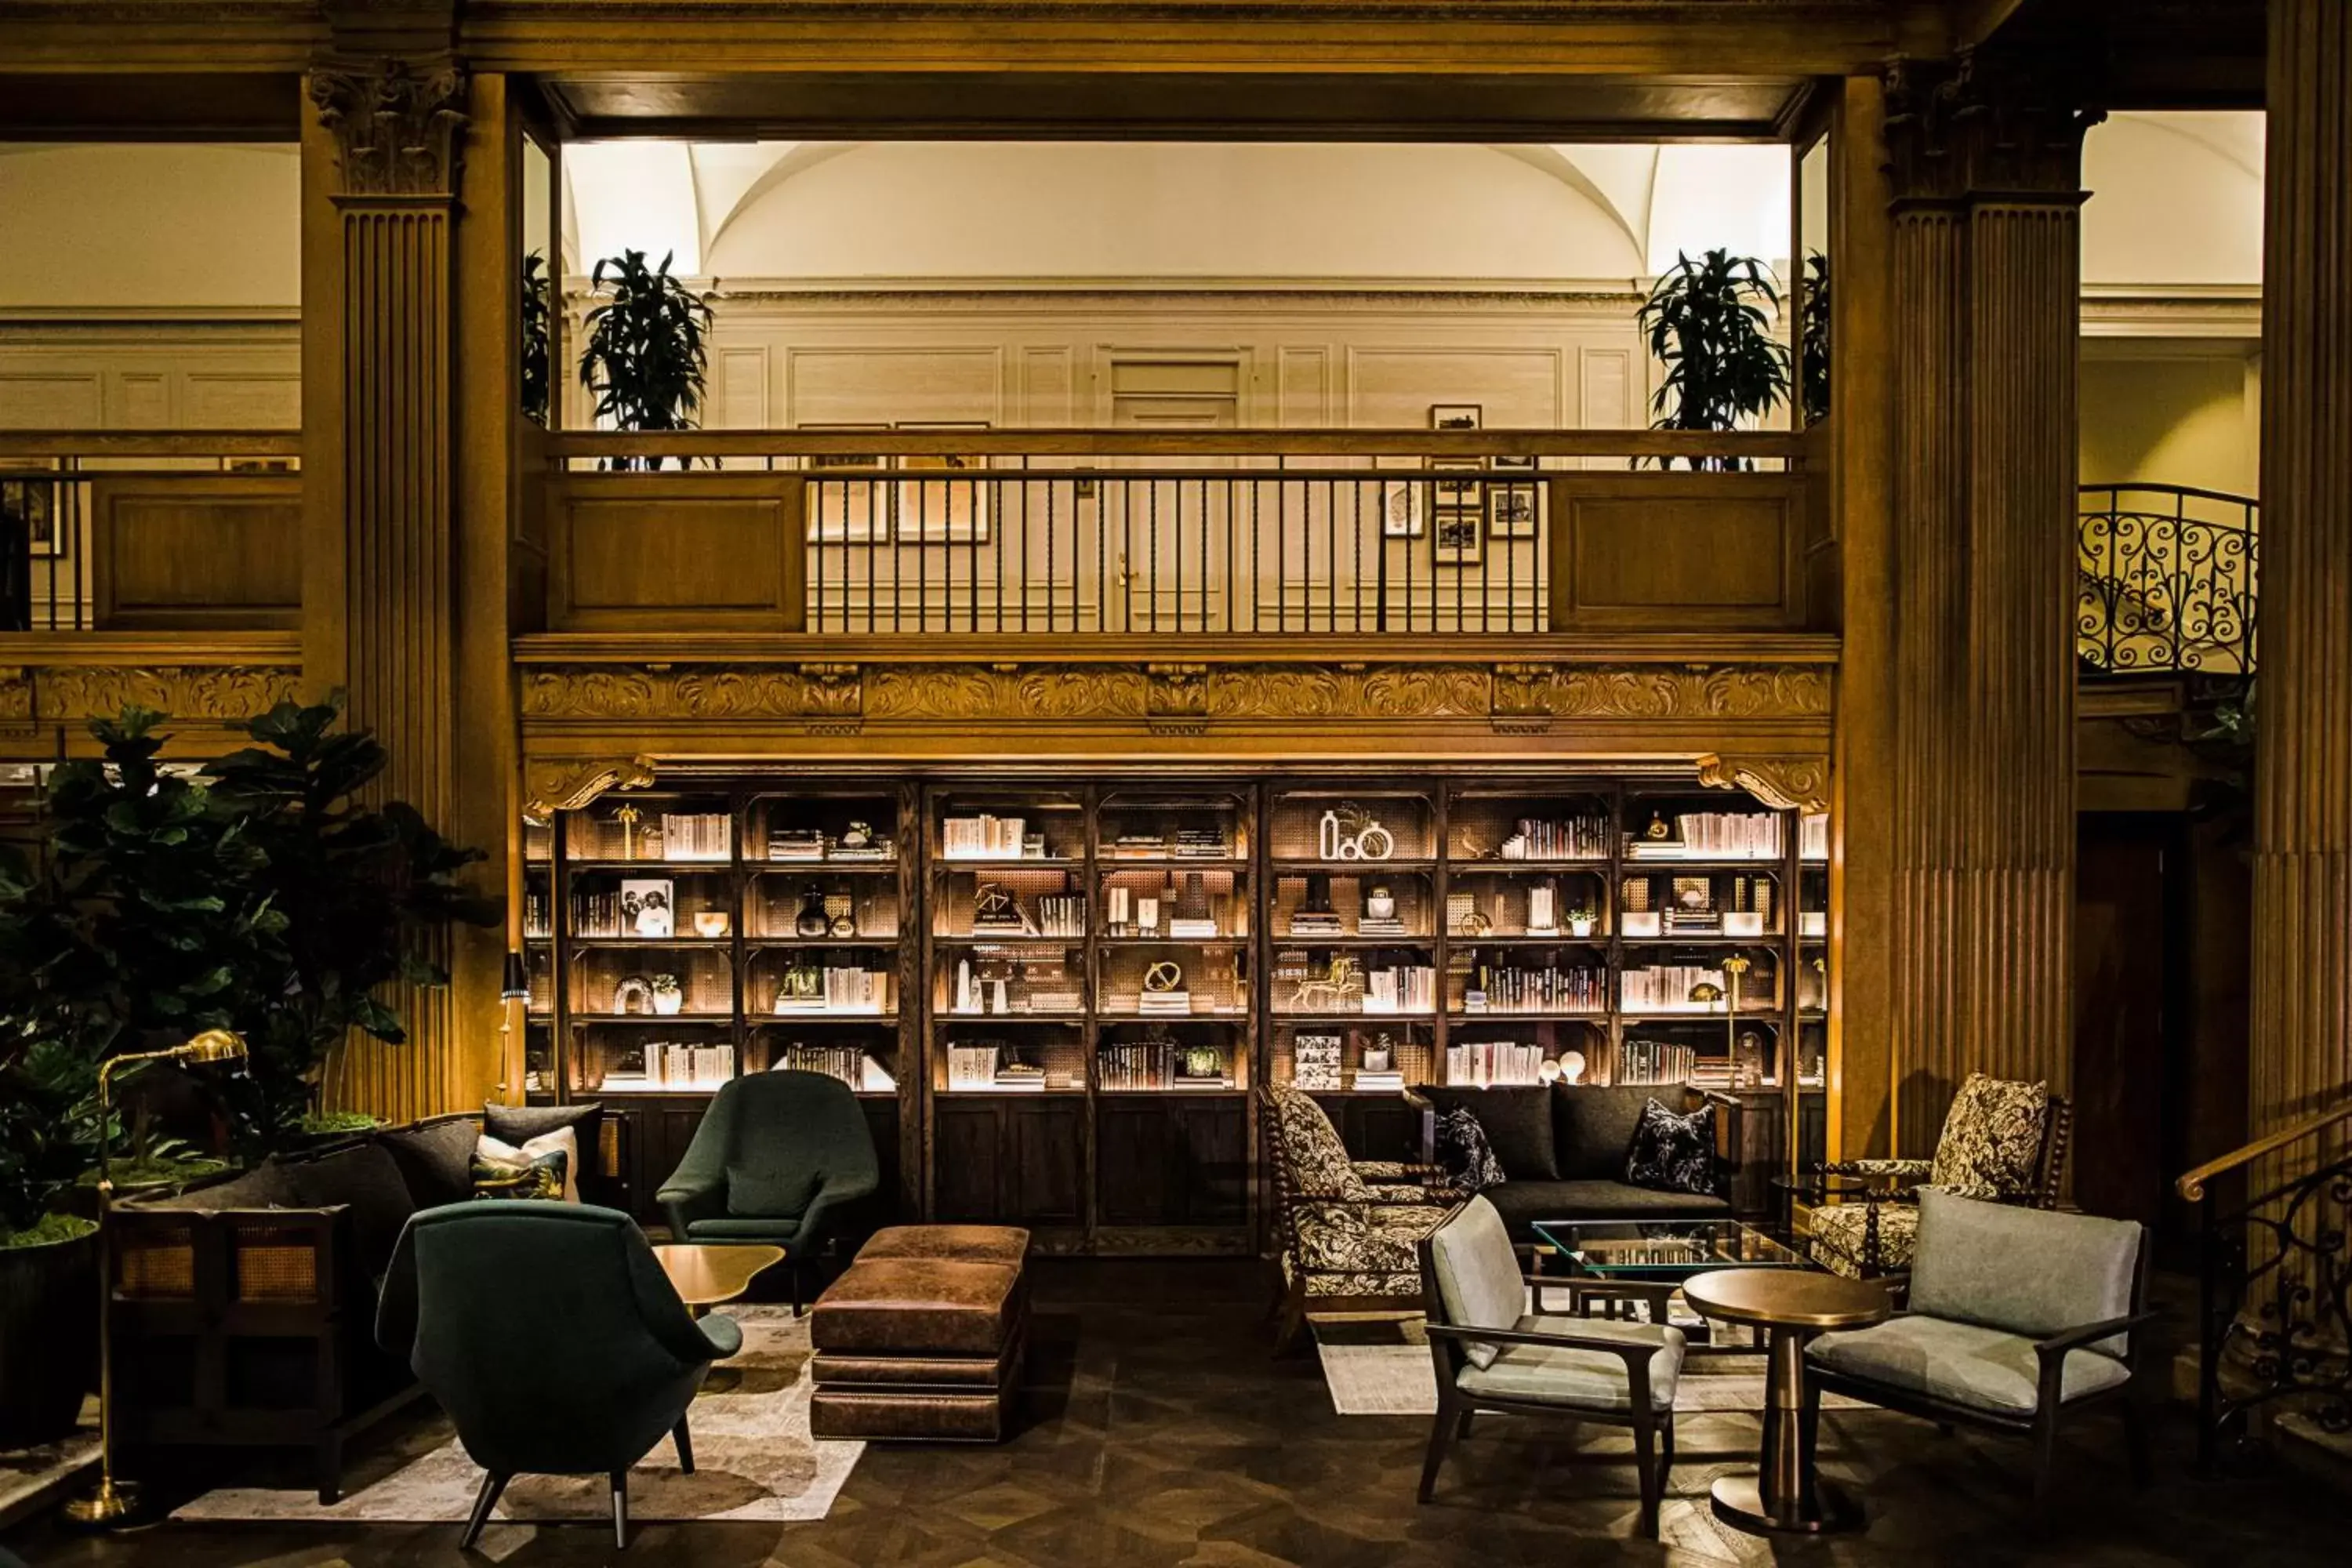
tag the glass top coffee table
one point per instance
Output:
(1617, 1262)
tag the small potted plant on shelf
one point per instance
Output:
(1581, 918)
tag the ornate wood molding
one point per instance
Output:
(397, 123)
(68, 694)
(1985, 126)
(568, 784)
(1788, 783)
(1169, 697)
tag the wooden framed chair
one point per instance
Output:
(1346, 1230)
(2002, 1141)
(2017, 1320)
(1492, 1354)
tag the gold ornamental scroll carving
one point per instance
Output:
(962, 693)
(1785, 784)
(568, 784)
(1544, 691)
(1373, 691)
(69, 694)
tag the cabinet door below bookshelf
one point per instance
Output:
(1008, 1160)
(1174, 1161)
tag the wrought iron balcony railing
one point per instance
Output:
(2169, 580)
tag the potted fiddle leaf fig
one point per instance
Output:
(1708, 325)
(48, 1256)
(645, 356)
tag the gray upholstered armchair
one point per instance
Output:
(2016, 1318)
(551, 1337)
(782, 1159)
(1492, 1354)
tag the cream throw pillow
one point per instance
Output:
(563, 1139)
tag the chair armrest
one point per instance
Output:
(836, 1196)
(691, 1199)
(1427, 1110)
(1885, 1170)
(2057, 1345)
(1617, 1347)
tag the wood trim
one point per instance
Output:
(1124, 443)
(54, 444)
(1597, 648)
(1605, 579)
(594, 525)
(221, 536)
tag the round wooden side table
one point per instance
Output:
(1786, 1493)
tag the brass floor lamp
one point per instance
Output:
(114, 1500)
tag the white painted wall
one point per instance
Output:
(112, 228)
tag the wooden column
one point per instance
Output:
(2302, 972)
(1986, 171)
(384, 569)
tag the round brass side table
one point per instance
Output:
(1786, 1494)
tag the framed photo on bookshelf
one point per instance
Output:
(944, 510)
(648, 907)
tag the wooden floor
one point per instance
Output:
(1159, 1432)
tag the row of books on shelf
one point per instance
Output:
(1537, 991)
(1185, 843)
(1710, 836)
(1577, 839)
(990, 837)
(1152, 1064)
(1671, 988)
(672, 1064)
(851, 1065)
(860, 844)
(835, 990)
(1407, 988)
(988, 1067)
(997, 913)
(1484, 1064)
(1656, 1062)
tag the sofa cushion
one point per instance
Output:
(2029, 1271)
(1478, 1275)
(1574, 1378)
(435, 1159)
(1594, 1127)
(1965, 1363)
(1521, 1203)
(771, 1189)
(1673, 1152)
(774, 1232)
(519, 1124)
(541, 1169)
(918, 1306)
(1517, 1123)
(1364, 1238)
(365, 1180)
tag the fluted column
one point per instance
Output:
(2302, 974)
(383, 577)
(1986, 172)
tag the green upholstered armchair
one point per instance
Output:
(551, 1337)
(782, 1159)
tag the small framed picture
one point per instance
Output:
(29, 506)
(1459, 493)
(851, 512)
(943, 511)
(1513, 465)
(1460, 538)
(1511, 512)
(1456, 415)
(648, 907)
(1401, 515)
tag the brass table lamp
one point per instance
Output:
(114, 1500)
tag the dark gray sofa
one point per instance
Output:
(1563, 1150)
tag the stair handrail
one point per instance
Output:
(2191, 1185)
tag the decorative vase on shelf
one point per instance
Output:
(1202, 1061)
(1380, 904)
(812, 920)
(668, 996)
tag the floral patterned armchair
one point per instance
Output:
(2003, 1141)
(1349, 1230)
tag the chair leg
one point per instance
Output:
(1463, 1428)
(327, 1460)
(2143, 1467)
(1293, 1320)
(484, 1500)
(792, 1269)
(1667, 1444)
(2045, 1459)
(1645, 1466)
(621, 1508)
(685, 1442)
(1442, 1433)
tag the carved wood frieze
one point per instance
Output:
(1172, 697)
(70, 693)
(397, 123)
(1786, 783)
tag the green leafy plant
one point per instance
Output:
(1814, 340)
(358, 893)
(537, 333)
(1708, 324)
(646, 357)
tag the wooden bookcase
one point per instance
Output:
(1115, 1112)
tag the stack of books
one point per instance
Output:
(984, 838)
(1164, 1004)
(1379, 1082)
(1020, 1077)
(1317, 922)
(795, 844)
(1201, 844)
(1138, 846)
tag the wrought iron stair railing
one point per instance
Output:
(2167, 580)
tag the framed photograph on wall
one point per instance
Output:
(1402, 509)
(29, 508)
(942, 510)
(1511, 510)
(1457, 416)
(852, 511)
(1460, 493)
(1460, 538)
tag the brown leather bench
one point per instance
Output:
(921, 1339)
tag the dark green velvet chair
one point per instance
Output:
(783, 1159)
(551, 1337)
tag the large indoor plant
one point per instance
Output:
(644, 357)
(1708, 325)
(538, 334)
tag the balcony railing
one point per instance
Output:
(1187, 534)
(2169, 580)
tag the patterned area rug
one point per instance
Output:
(754, 1459)
(1381, 1367)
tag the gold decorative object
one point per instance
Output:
(628, 818)
(115, 1500)
(1165, 975)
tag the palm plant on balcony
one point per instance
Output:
(645, 356)
(1813, 341)
(1708, 325)
(537, 324)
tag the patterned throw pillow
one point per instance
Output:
(1463, 1150)
(540, 1169)
(1992, 1138)
(1673, 1153)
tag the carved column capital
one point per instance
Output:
(398, 123)
(1984, 126)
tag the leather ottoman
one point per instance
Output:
(921, 1339)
